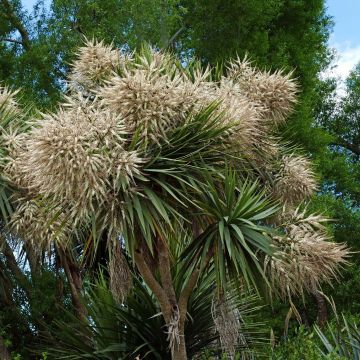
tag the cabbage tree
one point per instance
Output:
(146, 152)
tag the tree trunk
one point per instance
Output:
(322, 315)
(179, 352)
(165, 295)
(4, 353)
(33, 260)
(172, 308)
(75, 283)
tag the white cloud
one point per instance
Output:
(346, 57)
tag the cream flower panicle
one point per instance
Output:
(305, 256)
(8, 103)
(294, 181)
(89, 158)
(72, 155)
(95, 63)
(275, 93)
(150, 103)
(40, 226)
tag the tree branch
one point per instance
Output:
(153, 285)
(165, 272)
(12, 41)
(346, 145)
(173, 38)
(187, 290)
(6, 294)
(18, 25)
(12, 264)
(33, 259)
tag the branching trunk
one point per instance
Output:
(174, 309)
(153, 284)
(165, 294)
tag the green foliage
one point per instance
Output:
(135, 328)
(341, 343)
(300, 347)
(40, 59)
(279, 34)
(234, 235)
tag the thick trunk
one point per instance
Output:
(179, 352)
(173, 309)
(165, 295)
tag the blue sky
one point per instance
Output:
(28, 4)
(346, 17)
(345, 37)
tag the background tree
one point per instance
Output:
(338, 162)
(37, 48)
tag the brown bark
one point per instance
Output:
(179, 352)
(170, 306)
(165, 294)
(153, 284)
(4, 353)
(13, 266)
(322, 314)
(73, 276)
(165, 272)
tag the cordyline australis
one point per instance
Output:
(144, 150)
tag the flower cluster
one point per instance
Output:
(274, 93)
(8, 103)
(39, 225)
(305, 257)
(95, 63)
(75, 157)
(150, 102)
(294, 181)
(91, 155)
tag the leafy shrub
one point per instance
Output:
(301, 347)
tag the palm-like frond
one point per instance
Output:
(344, 341)
(134, 328)
(233, 233)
